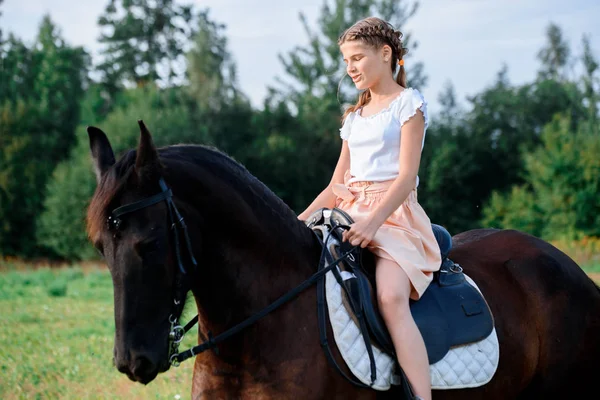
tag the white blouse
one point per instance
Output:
(374, 141)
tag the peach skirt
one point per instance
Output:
(406, 237)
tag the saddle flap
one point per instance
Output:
(451, 315)
(472, 308)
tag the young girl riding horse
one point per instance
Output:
(375, 182)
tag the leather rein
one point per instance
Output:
(177, 332)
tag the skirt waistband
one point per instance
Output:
(361, 190)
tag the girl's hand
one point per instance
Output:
(361, 233)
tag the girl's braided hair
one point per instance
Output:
(376, 32)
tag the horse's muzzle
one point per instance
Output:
(138, 368)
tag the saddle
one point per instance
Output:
(451, 312)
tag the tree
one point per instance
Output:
(559, 198)
(144, 41)
(589, 79)
(450, 108)
(1, 32)
(39, 110)
(481, 151)
(211, 71)
(73, 181)
(555, 55)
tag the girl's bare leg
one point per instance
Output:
(393, 293)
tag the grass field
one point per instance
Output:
(56, 339)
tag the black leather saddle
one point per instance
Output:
(450, 313)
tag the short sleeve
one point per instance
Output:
(409, 104)
(345, 129)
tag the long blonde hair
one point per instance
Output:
(376, 32)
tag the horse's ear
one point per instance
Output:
(147, 163)
(102, 153)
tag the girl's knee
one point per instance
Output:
(392, 299)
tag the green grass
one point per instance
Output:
(592, 268)
(56, 340)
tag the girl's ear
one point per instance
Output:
(386, 52)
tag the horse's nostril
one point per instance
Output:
(124, 369)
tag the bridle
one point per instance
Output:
(177, 223)
(177, 332)
(175, 219)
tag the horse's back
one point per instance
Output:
(546, 311)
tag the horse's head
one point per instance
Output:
(130, 221)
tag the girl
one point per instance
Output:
(375, 181)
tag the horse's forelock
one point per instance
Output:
(109, 187)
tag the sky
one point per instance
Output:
(464, 42)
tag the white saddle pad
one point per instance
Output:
(464, 366)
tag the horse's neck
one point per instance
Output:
(246, 276)
(250, 254)
(250, 268)
(250, 257)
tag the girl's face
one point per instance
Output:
(365, 64)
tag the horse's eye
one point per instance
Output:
(114, 224)
(147, 247)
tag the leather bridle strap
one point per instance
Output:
(138, 205)
(213, 341)
(322, 322)
(175, 219)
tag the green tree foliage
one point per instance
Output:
(39, 110)
(590, 81)
(211, 71)
(208, 110)
(520, 156)
(555, 55)
(481, 151)
(559, 198)
(556, 197)
(144, 41)
(61, 227)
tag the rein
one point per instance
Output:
(177, 332)
(211, 343)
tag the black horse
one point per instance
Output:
(247, 248)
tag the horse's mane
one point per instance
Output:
(205, 158)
